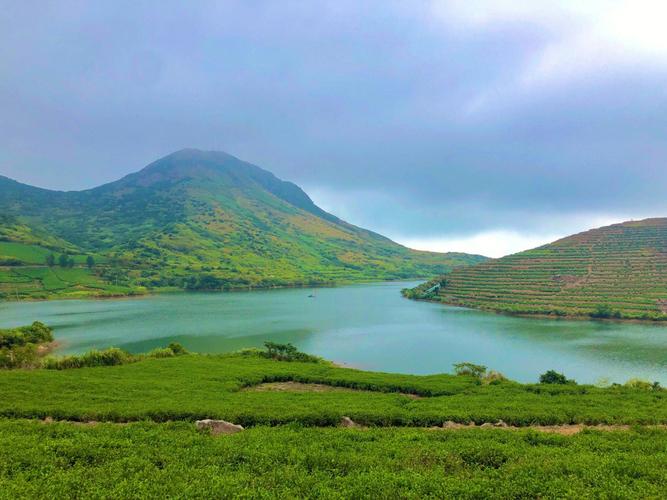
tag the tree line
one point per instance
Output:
(65, 261)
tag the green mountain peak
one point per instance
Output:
(203, 219)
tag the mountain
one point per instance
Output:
(618, 271)
(194, 219)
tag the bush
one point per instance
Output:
(636, 383)
(161, 352)
(19, 346)
(493, 377)
(109, 357)
(470, 369)
(604, 311)
(24, 356)
(287, 352)
(553, 377)
(37, 333)
(177, 348)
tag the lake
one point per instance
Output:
(367, 326)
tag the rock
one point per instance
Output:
(486, 425)
(348, 422)
(217, 427)
(500, 423)
(451, 425)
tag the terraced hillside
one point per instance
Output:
(619, 271)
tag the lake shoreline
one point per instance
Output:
(367, 326)
(554, 317)
(154, 292)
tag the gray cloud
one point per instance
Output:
(402, 118)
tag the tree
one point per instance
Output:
(63, 260)
(70, 262)
(90, 262)
(553, 377)
(50, 260)
(471, 369)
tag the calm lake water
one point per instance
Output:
(366, 326)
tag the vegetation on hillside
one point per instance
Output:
(192, 220)
(24, 346)
(615, 272)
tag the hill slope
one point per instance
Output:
(194, 219)
(619, 271)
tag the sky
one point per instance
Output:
(486, 126)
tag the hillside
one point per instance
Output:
(619, 271)
(195, 220)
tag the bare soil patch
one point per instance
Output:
(302, 387)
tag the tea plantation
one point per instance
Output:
(127, 431)
(617, 272)
(173, 460)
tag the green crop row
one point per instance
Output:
(148, 460)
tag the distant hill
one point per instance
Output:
(195, 220)
(619, 271)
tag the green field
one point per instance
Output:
(149, 460)
(128, 431)
(206, 386)
(56, 282)
(617, 272)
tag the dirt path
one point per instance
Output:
(346, 422)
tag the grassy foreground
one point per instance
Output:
(149, 460)
(130, 434)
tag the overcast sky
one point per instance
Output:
(482, 126)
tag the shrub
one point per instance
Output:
(161, 352)
(553, 377)
(470, 369)
(24, 356)
(177, 348)
(111, 357)
(604, 311)
(18, 346)
(108, 357)
(37, 333)
(636, 383)
(287, 352)
(10, 261)
(493, 377)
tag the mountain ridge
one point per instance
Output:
(203, 219)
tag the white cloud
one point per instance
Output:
(490, 243)
(585, 37)
(501, 242)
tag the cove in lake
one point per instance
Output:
(366, 326)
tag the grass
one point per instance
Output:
(137, 439)
(615, 272)
(149, 460)
(192, 387)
